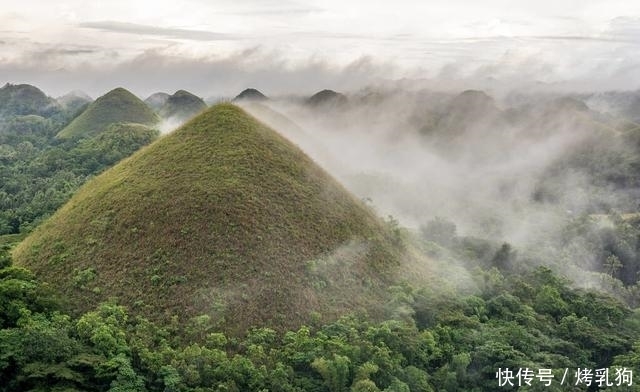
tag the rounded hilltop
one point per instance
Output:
(223, 217)
(328, 98)
(25, 99)
(116, 106)
(182, 105)
(250, 94)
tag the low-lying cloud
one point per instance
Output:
(499, 170)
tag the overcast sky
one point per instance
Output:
(217, 48)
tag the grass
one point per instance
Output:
(117, 106)
(222, 217)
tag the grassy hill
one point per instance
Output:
(250, 94)
(117, 106)
(222, 217)
(182, 105)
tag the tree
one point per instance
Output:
(504, 257)
(334, 372)
(612, 265)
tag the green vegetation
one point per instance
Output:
(222, 217)
(221, 258)
(117, 106)
(24, 99)
(445, 340)
(39, 174)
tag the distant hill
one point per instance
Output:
(473, 103)
(117, 106)
(468, 113)
(618, 103)
(25, 99)
(181, 106)
(543, 118)
(74, 101)
(250, 94)
(327, 98)
(222, 217)
(157, 100)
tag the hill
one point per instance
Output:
(327, 98)
(157, 100)
(25, 99)
(117, 106)
(250, 94)
(74, 101)
(222, 217)
(181, 106)
(624, 104)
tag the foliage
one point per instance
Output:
(24, 99)
(40, 174)
(535, 321)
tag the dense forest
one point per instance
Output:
(436, 338)
(40, 172)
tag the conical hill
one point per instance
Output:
(222, 217)
(250, 94)
(116, 106)
(182, 105)
(327, 98)
(157, 100)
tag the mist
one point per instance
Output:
(508, 170)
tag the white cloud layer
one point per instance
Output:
(217, 48)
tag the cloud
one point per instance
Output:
(270, 8)
(224, 76)
(575, 38)
(302, 61)
(278, 11)
(65, 52)
(512, 38)
(625, 27)
(140, 29)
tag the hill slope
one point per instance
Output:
(24, 99)
(182, 105)
(116, 106)
(157, 100)
(222, 217)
